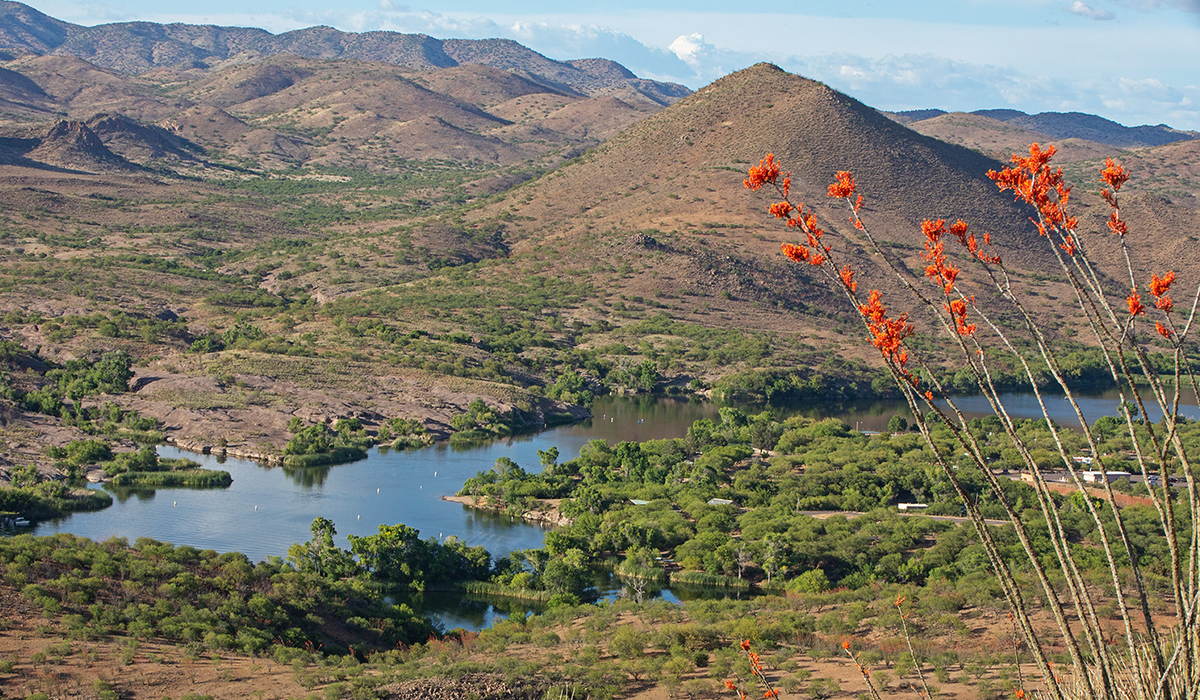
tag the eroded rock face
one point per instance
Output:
(72, 144)
(475, 685)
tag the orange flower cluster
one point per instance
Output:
(844, 187)
(1114, 176)
(847, 275)
(1159, 286)
(733, 686)
(939, 269)
(944, 272)
(766, 172)
(812, 250)
(1035, 182)
(1134, 300)
(958, 311)
(757, 668)
(888, 333)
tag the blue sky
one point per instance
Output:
(1133, 61)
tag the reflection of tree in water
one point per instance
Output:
(307, 476)
(124, 493)
(451, 609)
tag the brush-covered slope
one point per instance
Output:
(1000, 139)
(685, 165)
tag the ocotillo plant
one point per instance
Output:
(1141, 659)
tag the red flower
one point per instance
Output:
(848, 278)
(1035, 182)
(1163, 330)
(1159, 286)
(1117, 225)
(1135, 304)
(958, 312)
(795, 253)
(844, 187)
(1113, 175)
(767, 171)
(781, 209)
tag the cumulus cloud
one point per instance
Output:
(1084, 10)
(688, 48)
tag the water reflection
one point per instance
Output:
(308, 477)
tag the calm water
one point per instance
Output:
(267, 509)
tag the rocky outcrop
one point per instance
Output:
(73, 145)
(199, 447)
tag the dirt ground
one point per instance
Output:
(44, 661)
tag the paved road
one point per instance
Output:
(823, 514)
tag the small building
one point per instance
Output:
(719, 502)
(1084, 460)
(1102, 477)
(913, 506)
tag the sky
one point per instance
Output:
(1132, 61)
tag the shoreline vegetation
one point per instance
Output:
(705, 510)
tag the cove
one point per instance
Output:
(267, 509)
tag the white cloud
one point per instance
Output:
(689, 48)
(1084, 10)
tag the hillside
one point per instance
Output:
(1001, 140)
(287, 111)
(677, 177)
(287, 237)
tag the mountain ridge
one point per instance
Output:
(138, 47)
(1065, 125)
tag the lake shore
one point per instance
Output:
(549, 515)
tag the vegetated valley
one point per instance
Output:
(267, 250)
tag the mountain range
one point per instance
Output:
(382, 225)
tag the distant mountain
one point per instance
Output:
(24, 30)
(139, 47)
(1064, 125)
(1061, 125)
(1000, 139)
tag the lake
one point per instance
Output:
(267, 509)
